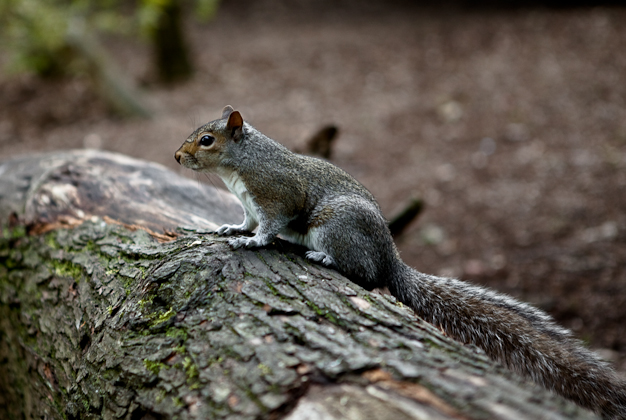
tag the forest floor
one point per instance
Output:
(511, 125)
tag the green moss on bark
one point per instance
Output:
(97, 321)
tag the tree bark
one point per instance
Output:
(116, 301)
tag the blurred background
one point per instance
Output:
(507, 122)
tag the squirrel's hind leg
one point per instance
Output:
(312, 241)
(354, 238)
(320, 257)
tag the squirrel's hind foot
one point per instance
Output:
(229, 230)
(253, 242)
(320, 257)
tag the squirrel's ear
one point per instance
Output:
(235, 125)
(227, 111)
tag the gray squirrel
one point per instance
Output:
(314, 203)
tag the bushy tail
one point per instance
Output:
(523, 338)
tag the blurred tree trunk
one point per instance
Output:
(171, 54)
(107, 313)
(110, 82)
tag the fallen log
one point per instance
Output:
(116, 301)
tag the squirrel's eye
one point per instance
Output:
(207, 140)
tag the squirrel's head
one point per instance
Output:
(206, 147)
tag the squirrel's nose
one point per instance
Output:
(177, 156)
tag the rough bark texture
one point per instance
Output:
(107, 320)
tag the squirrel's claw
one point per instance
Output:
(224, 230)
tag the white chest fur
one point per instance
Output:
(235, 185)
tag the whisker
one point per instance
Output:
(194, 121)
(212, 182)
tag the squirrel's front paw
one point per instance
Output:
(228, 230)
(244, 241)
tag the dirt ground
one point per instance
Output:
(511, 125)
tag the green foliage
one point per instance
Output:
(150, 11)
(34, 33)
(34, 30)
(149, 14)
(206, 9)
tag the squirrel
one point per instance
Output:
(314, 203)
